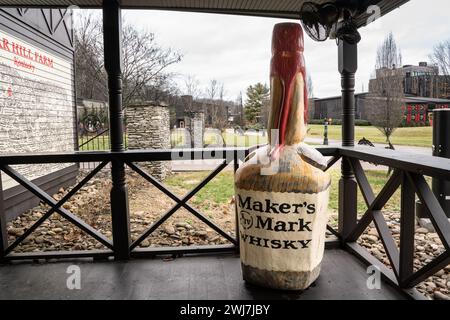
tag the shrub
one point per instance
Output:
(256, 126)
(362, 123)
(338, 122)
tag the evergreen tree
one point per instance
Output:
(257, 98)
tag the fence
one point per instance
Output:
(409, 172)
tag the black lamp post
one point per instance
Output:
(325, 133)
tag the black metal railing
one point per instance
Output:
(94, 142)
(408, 175)
(104, 159)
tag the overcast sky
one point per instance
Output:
(235, 50)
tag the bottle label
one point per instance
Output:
(282, 231)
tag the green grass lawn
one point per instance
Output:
(236, 140)
(221, 188)
(100, 143)
(418, 136)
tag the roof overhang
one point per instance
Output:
(288, 9)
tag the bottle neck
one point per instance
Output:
(289, 102)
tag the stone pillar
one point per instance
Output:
(195, 125)
(148, 127)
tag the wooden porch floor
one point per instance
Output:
(197, 277)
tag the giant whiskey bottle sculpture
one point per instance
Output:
(282, 190)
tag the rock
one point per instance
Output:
(39, 240)
(370, 238)
(373, 232)
(420, 248)
(169, 230)
(439, 273)
(434, 247)
(183, 225)
(214, 239)
(440, 284)
(37, 215)
(431, 285)
(201, 233)
(27, 240)
(448, 285)
(440, 296)
(422, 230)
(377, 253)
(58, 230)
(145, 243)
(140, 213)
(16, 231)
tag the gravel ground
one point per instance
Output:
(147, 203)
(427, 247)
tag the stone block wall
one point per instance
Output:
(148, 127)
(195, 123)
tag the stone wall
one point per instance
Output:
(148, 127)
(196, 128)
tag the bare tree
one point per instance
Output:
(192, 93)
(145, 62)
(388, 55)
(218, 111)
(213, 89)
(90, 75)
(385, 100)
(441, 57)
(220, 116)
(310, 87)
(164, 90)
(240, 109)
(192, 85)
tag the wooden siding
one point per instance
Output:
(37, 99)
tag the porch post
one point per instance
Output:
(112, 35)
(348, 64)
(3, 232)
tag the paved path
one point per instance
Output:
(420, 150)
(208, 165)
